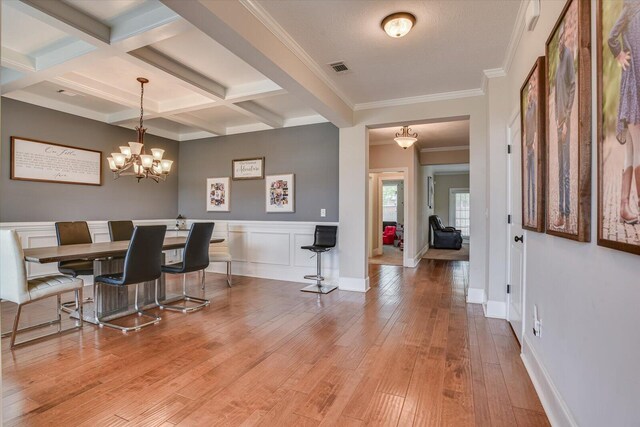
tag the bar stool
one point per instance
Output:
(142, 263)
(15, 287)
(195, 258)
(324, 240)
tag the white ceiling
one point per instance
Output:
(447, 50)
(449, 134)
(213, 73)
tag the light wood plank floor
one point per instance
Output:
(408, 352)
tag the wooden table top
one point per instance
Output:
(93, 250)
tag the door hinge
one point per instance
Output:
(508, 289)
(509, 219)
(508, 148)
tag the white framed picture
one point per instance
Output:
(218, 194)
(280, 194)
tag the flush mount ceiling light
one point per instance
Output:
(398, 24)
(405, 138)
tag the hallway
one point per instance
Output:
(408, 352)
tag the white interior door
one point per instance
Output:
(515, 297)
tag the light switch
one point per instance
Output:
(323, 213)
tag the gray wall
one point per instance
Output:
(441, 192)
(310, 152)
(121, 199)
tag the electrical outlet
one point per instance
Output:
(537, 323)
(323, 213)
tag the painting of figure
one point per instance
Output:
(619, 125)
(533, 145)
(568, 137)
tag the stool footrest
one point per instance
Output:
(319, 289)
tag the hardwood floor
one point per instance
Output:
(408, 352)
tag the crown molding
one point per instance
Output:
(272, 25)
(468, 93)
(516, 35)
(442, 149)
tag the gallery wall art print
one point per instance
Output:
(218, 194)
(532, 116)
(618, 124)
(280, 194)
(568, 124)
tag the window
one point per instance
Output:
(459, 213)
(390, 202)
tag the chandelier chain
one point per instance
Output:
(141, 102)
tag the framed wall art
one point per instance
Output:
(247, 168)
(568, 124)
(618, 120)
(218, 194)
(280, 194)
(532, 116)
(33, 160)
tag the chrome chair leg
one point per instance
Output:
(201, 303)
(58, 320)
(229, 273)
(139, 311)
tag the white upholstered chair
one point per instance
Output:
(17, 288)
(219, 252)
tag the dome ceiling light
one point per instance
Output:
(398, 24)
(405, 138)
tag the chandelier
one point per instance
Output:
(133, 160)
(405, 138)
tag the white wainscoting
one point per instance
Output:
(267, 249)
(271, 250)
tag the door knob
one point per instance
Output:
(519, 239)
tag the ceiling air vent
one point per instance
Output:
(67, 92)
(339, 67)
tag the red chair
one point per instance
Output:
(389, 235)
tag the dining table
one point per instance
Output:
(108, 257)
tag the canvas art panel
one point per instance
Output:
(618, 44)
(532, 108)
(568, 98)
(280, 193)
(218, 194)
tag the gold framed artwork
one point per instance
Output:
(568, 128)
(533, 137)
(618, 124)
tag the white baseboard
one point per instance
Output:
(554, 405)
(475, 296)
(496, 309)
(416, 260)
(268, 271)
(354, 284)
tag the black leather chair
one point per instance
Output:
(142, 263)
(120, 230)
(195, 258)
(324, 240)
(73, 233)
(444, 237)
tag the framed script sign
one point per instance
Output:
(33, 160)
(248, 168)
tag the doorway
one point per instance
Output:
(387, 214)
(515, 234)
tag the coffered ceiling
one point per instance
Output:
(225, 67)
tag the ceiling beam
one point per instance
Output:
(197, 123)
(236, 28)
(17, 61)
(251, 109)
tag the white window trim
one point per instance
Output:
(452, 206)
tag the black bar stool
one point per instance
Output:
(142, 263)
(195, 258)
(324, 240)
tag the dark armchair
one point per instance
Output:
(443, 237)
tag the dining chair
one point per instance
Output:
(219, 252)
(195, 258)
(120, 230)
(142, 263)
(73, 233)
(17, 288)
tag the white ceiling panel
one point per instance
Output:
(287, 106)
(223, 116)
(105, 10)
(25, 34)
(204, 55)
(50, 90)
